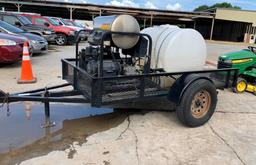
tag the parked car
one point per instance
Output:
(24, 23)
(66, 23)
(78, 24)
(84, 24)
(38, 44)
(11, 47)
(65, 35)
(63, 22)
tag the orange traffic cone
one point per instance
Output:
(26, 68)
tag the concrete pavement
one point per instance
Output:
(155, 137)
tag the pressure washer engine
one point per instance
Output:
(120, 54)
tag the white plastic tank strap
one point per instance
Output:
(158, 52)
(157, 39)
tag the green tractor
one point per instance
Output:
(245, 61)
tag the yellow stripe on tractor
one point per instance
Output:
(241, 61)
(251, 88)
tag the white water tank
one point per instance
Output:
(175, 49)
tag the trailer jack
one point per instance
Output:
(45, 96)
(48, 122)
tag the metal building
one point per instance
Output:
(235, 25)
(217, 24)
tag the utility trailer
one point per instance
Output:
(193, 92)
(106, 75)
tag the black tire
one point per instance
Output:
(184, 110)
(236, 88)
(61, 39)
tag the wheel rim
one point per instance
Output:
(200, 104)
(60, 40)
(241, 86)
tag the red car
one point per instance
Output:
(64, 34)
(11, 47)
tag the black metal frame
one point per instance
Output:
(95, 97)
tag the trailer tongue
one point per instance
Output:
(116, 68)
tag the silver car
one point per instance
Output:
(37, 43)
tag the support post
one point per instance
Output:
(151, 20)
(144, 24)
(227, 79)
(194, 24)
(100, 12)
(212, 27)
(71, 13)
(18, 6)
(247, 28)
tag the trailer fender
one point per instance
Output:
(181, 84)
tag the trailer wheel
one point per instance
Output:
(241, 85)
(198, 103)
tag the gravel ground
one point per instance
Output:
(159, 138)
(155, 137)
(46, 68)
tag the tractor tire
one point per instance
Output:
(241, 85)
(197, 104)
(61, 39)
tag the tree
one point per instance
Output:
(216, 5)
(201, 8)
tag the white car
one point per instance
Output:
(63, 22)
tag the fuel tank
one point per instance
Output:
(119, 23)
